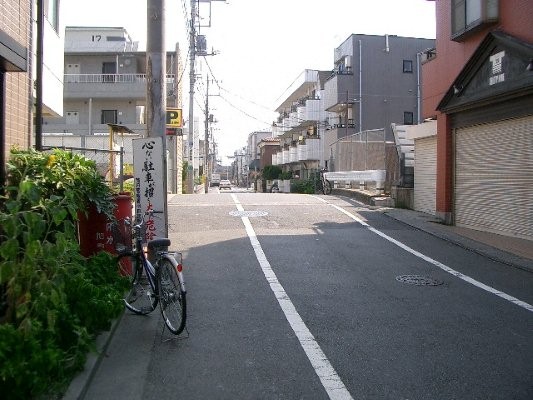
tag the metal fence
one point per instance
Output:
(110, 163)
(359, 152)
(364, 151)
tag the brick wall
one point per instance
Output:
(15, 22)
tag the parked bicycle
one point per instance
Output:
(161, 282)
(322, 184)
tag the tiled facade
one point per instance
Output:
(15, 23)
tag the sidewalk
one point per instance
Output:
(515, 252)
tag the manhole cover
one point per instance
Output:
(418, 280)
(248, 213)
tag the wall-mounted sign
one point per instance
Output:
(174, 118)
(497, 75)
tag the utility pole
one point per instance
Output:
(206, 139)
(192, 82)
(193, 52)
(156, 102)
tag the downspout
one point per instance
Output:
(360, 87)
(418, 99)
(39, 85)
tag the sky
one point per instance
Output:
(261, 46)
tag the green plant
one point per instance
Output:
(63, 174)
(53, 300)
(128, 186)
(286, 175)
(302, 186)
(271, 172)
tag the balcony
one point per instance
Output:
(310, 150)
(133, 86)
(293, 154)
(339, 91)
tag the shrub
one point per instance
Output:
(271, 172)
(302, 186)
(286, 175)
(53, 300)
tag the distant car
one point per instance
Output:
(225, 184)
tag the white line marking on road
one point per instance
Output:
(328, 376)
(444, 267)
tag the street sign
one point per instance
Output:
(149, 189)
(174, 118)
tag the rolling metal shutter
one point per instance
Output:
(425, 174)
(494, 177)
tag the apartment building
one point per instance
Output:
(479, 87)
(253, 155)
(341, 119)
(18, 35)
(105, 82)
(301, 125)
(374, 83)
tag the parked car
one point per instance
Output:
(225, 184)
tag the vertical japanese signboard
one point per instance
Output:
(150, 188)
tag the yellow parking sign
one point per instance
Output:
(174, 119)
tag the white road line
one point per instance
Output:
(328, 376)
(444, 267)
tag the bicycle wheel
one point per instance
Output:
(172, 301)
(326, 187)
(141, 298)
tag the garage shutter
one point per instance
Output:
(494, 177)
(425, 174)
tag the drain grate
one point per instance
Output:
(248, 213)
(418, 280)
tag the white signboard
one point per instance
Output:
(150, 191)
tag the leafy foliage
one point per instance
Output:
(64, 174)
(286, 175)
(271, 172)
(303, 186)
(52, 300)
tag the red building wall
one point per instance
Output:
(516, 19)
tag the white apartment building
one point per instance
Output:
(105, 82)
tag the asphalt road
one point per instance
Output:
(304, 297)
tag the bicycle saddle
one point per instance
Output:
(157, 243)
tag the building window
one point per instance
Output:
(109, 116)
(408, 118)
(470, 15)
(408, 66)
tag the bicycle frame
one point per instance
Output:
(163, 284)
(140, 254)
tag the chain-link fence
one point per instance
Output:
(114, 161)
(364, 151)
(109, 163)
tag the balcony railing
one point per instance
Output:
(339, 92)
(308, 151)
(132, 86)
(111, 78)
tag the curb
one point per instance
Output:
(80, 384)
(467, 243)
